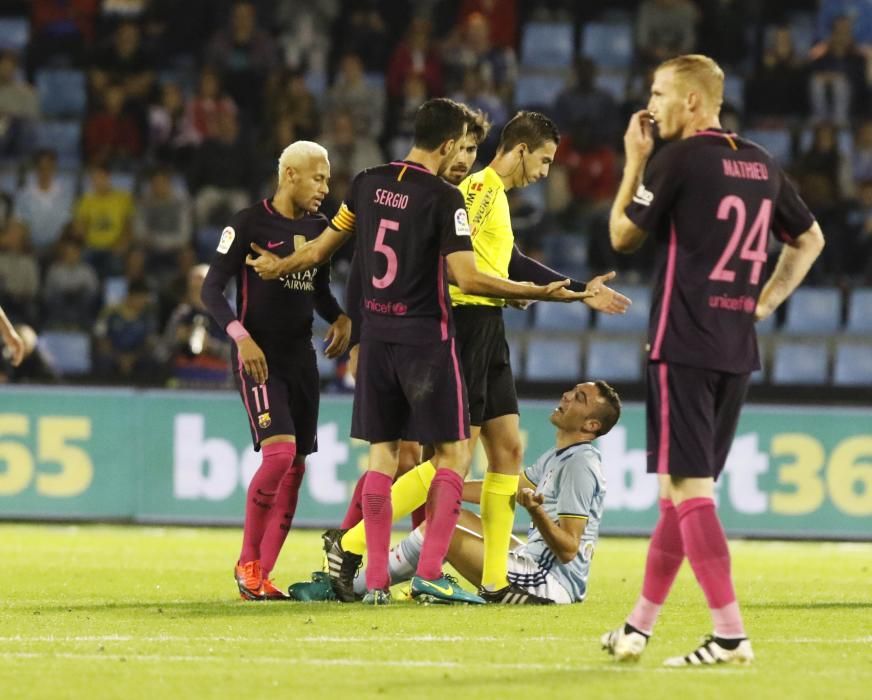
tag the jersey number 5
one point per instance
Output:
(754, 246)
(385, 225)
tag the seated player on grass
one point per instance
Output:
(564, 493)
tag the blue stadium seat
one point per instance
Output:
(206, 241)
(776, 141)
(614, 360)
(845, 140)
(766, 327)
(538, 90)
(813, 310)
(70, 352)
(65, 137)
(613, 83)
(14, 33)
(516, 354)
(802, 27)
(114, 290)
(551, 316)
(517, 319)
(326, 366)
(338, 289)
(546, 45)
(800, 363)
(566, 250)
(609, 44)
(734, 91)
(62, 92)
(553, 360)
(316, 81)
(9, 180)
(860, 312)
(636, 318)
(853, 365)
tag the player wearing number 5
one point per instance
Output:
(710, 199)
(277, 374)
(412, 233)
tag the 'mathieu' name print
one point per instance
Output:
(745, 170)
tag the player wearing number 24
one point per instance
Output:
(709, 198)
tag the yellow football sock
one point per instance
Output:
(497, 518)
(407, 493)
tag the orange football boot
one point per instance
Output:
(249, 579)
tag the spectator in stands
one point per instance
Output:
(103, 222)
(861, 154)
(195, 348)
(288, 97)
(858, 258)
(36, 367)
(126, 63)
(279, 134)
(125, 335)
(470, 46)
(170, 133)
(349, 154)
(838, 76)
(19, 108)
(353, 94)
(245, 54)
(112, 135)
(61, 28)
(777, 90)
(222, 174)
(400, 127)
(415, 55)
(824, 158)
(44, 204)
(723, 30)
(858, 11)
(163, 221)
(177, 33)
(583, 101)
(501, 17)
(303, 33)
(665, 28)
(19, 274)
(364, 31)
(71, 288)
(205, 109)
(172, 292)
(591, 168)
(478, 93)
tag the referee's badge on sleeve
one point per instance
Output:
(461, 223)
(227, 237)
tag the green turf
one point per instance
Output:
(125, 612)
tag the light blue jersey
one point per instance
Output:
(572, 482)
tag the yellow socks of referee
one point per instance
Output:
(497, 518)
(407, 493)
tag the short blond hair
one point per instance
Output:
(298, 153)
(699, 72)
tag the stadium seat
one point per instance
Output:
(553, 360)
(14, 33)
(62, 92)
(206, 240)
(636, 318)
(9, 180)
(516, 354)
(734, 91)
(776, 141)
(845, 140)
(802, 28)
(766, 327)
(853, 365)
(517, 319)
(614, 360)
(813, 310)
(613, 83)
(69, 352)
(546, 45)
(338, 289)
(538, 90)
(860, 312)
(566, 252)
(65, 137)
(114, 290)
(561, 317)
(326, 366)
(800, 363)
(609, 44)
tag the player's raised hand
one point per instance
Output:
(253, 359)
(639, 137)
(338, 336)
(605, 299)
(16, 349)
(529, 499)
(267, 265)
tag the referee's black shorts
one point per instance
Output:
(484, 357)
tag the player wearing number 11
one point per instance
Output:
(412, 233)
(710, 198)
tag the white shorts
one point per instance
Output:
(526, 572)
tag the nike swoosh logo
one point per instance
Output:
(274, 244)
(447, 590)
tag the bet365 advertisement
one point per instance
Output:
(186, 457)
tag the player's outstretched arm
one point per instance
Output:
(461, 267)
(11, 339)
(625, 236)
(605, 299)
(793, 264)
(316, 252)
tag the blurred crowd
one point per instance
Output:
(130, 130)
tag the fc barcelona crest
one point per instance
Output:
(264, 421)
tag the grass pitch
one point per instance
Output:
(126, 612)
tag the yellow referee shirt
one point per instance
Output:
(492, 236)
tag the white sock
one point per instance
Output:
(402, 561)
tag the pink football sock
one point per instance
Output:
(665, 554)
(282, 515)
(377, 518)
(443, 510)
(705, 545)
(354, 514)
(277, 459)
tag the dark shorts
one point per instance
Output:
(692, 416)
(409, 392)
(287, 404)
(484, 357)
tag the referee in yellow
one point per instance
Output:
(524, 155)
